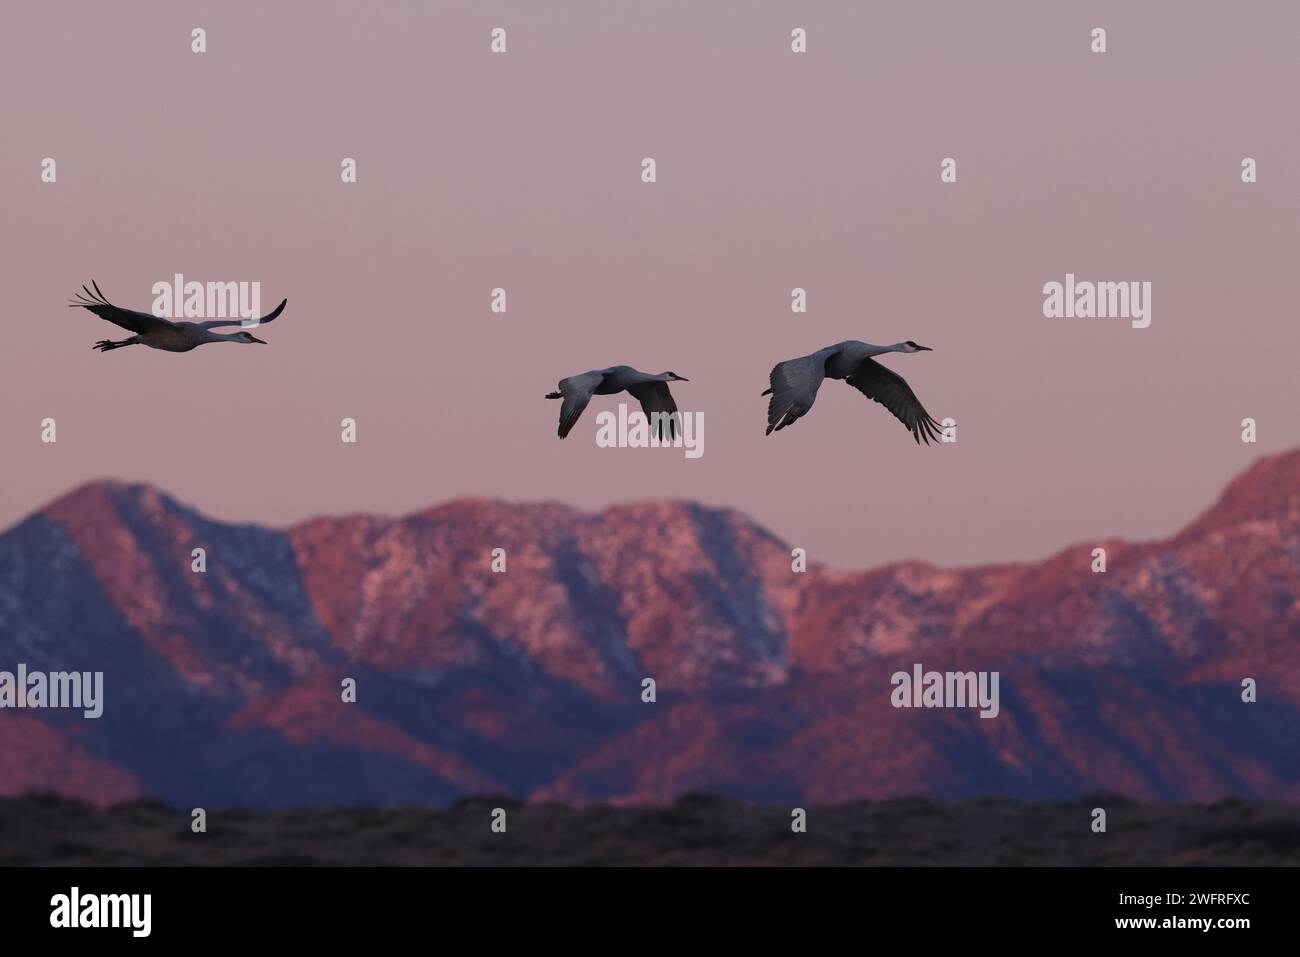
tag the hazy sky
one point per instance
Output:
(775, 170)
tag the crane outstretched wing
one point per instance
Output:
(141, 323)
(576, 390)
(887, 387)
(794, 388)
(655, 398)
(217, 323)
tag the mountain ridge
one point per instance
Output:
(772, 684)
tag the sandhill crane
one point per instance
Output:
(795, 383)
(157, 333)
(647, 388)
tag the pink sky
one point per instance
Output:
(775, 171)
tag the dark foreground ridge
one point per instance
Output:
(696, 830)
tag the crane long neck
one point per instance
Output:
(876, 350)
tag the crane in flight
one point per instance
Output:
(649, 389)
(159, 333)
(794, 385)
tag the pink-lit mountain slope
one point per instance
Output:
(223, 687)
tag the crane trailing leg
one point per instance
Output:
(104, 345)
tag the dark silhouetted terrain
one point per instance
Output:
(694, 830)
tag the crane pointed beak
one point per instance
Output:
(924, 349)
(255, 339)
